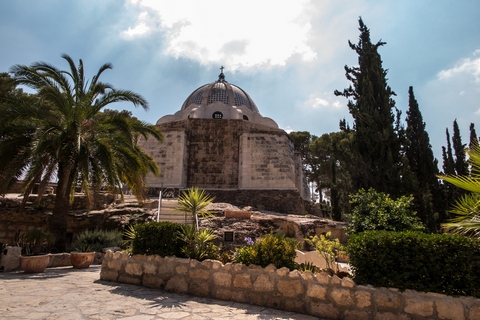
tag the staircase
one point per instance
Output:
(168, 213)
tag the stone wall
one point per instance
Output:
(283, 201)
(315, 294)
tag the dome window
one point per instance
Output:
(217, 115)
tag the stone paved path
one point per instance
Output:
(71, 294)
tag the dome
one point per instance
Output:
(220, 91)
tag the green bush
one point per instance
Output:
(374, 210)
(96, 240)
(198, 244)
(442, 263)
(156, 238)
(272, 248)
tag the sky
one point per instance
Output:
(288, 55)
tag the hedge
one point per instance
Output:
(157, 238)
(443, 263)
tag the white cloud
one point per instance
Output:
(248, 33)
(465, 67)
(141, 28)
(316, 102)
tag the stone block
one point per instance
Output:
(114, 264)
(242, 281)
(177, 284)
(152, 281)
(199, 273)
(316, 291)
(342, 297)
(130, 280)
(181, 269)
(387, 299)
(419, 307)
(307, 275)
(364, 299)
(474, 312)
(134, 269)
(222, 279)
(282, 272)
(274, 301)
(223, 294)
(348, 283)
(108, 275)
(295, 274)
(199, 289)
(323, 278)
(449, 309)
(270, 268)
(295, 305)
(263, 284)
(324, 310)
(150, 268)
(258, 299)
(290, 288)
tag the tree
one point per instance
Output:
(473, 136)
(63, 132)
(380, 163)
(427, 192)
(467, 206)
(461, 167)
(193, 202)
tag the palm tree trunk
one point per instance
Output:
(58, 221)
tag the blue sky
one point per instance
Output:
(288, 55)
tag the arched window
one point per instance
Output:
(245, 117)
(217, 115)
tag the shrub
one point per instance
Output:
(328, 249)
(197, 244)
(374, 210)
(156, 238)
(96, 240)
(442, 263)
(270, 249)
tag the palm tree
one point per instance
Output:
(194, 201)
(64, 131)
(467, 207)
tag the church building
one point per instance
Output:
(218, 141)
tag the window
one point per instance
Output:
(217, 115)
(245, 117)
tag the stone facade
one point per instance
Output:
(315, 294)
(247, 160)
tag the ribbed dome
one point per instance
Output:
(220, 91)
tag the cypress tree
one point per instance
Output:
(461, 167)
(427, 194)
(473, 137)
(377, 144)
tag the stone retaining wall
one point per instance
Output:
(316, 294)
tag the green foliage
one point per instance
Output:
(327, 248)
(443, 263)
(37, 241)
(273, 248)
(193, 202)
(198, 244)
(157, 238)
(96, 240)
(307, 266)
(374, 210)
(377, 133)
(467, 207)
(61, 131)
